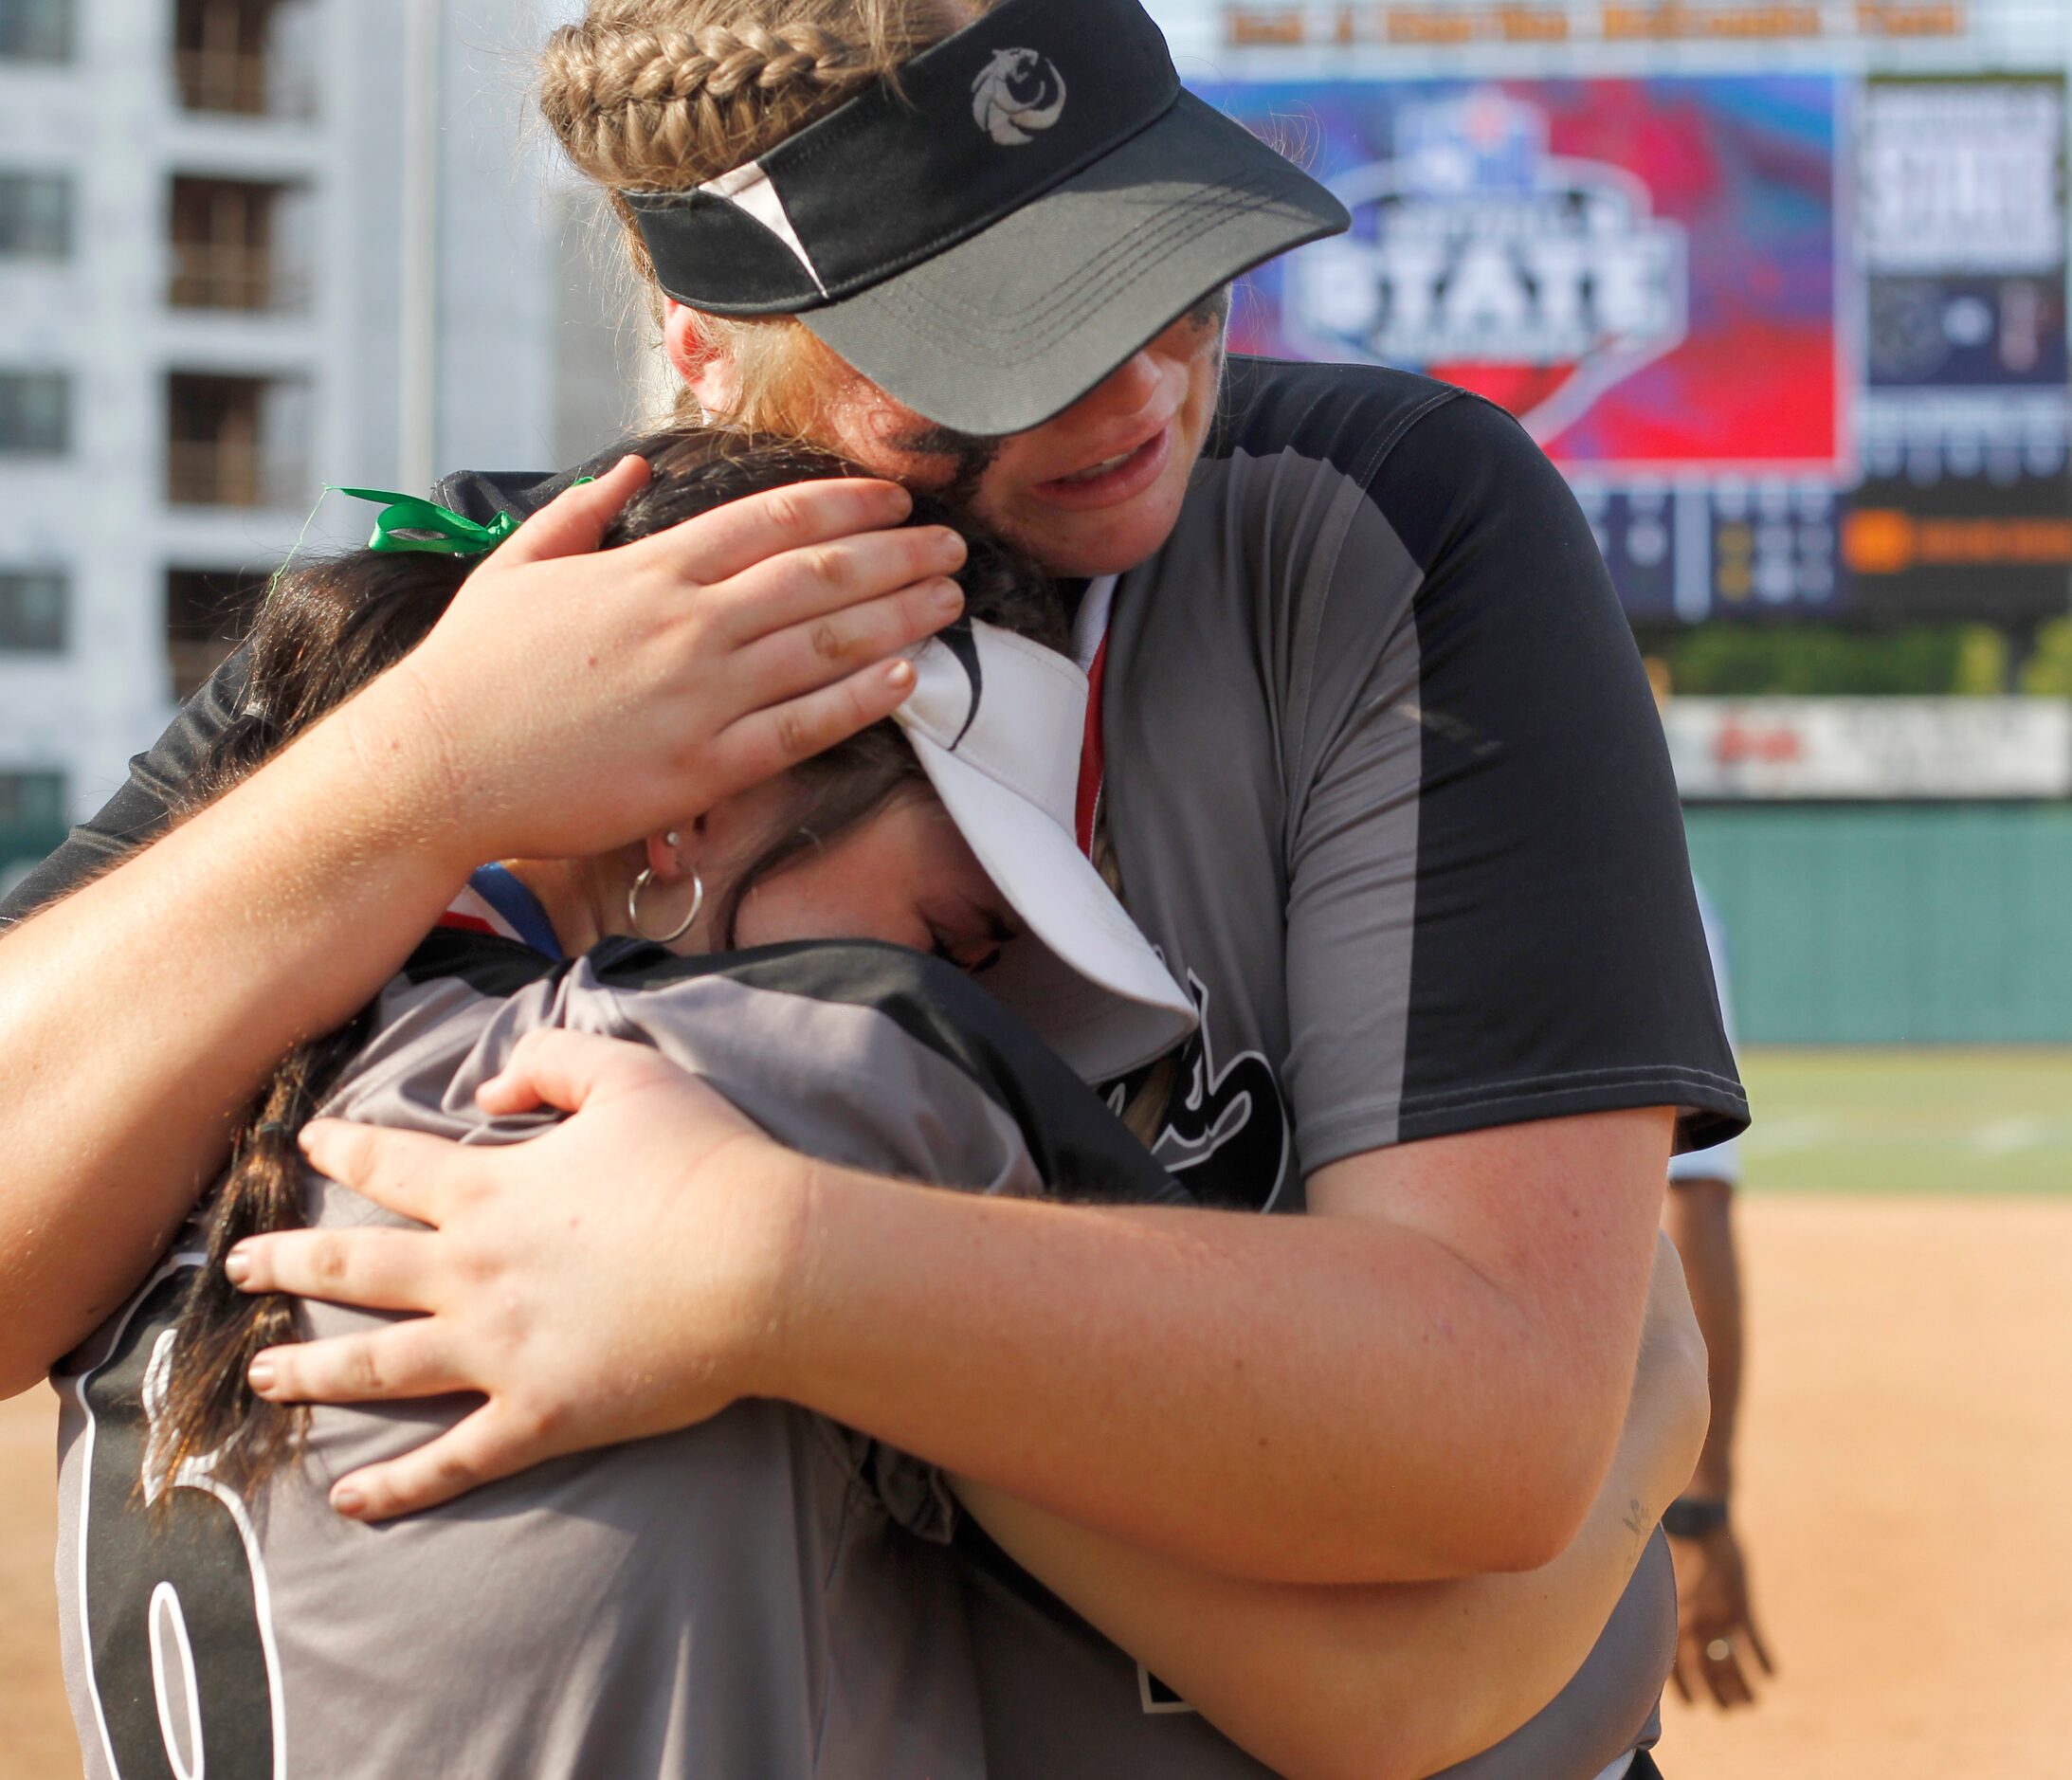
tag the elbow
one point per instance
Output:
(1531, 1537)
(1570, 1473)
(1530, 1509)
(1524, 1525)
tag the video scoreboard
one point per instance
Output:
(1797, 337)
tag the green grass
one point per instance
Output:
(1925, 1120)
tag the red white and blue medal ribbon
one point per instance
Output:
(493, 901)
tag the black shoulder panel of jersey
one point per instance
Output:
(1079, 1146)
(1522, 637)
(1349, 416)
(487, 963)
(480, 494)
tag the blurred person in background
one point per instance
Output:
(1716, 1634)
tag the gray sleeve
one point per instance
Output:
(1490, 913)
(839, 1081)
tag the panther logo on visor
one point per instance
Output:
(1017, 94)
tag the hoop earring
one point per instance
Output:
(633, 907)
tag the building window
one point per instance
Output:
(35, 216)
(226, 58)
(235, 442)
(226, 247)
(32, 610)
(35, 30)
(207, 612)
(35, 413)
(31, 815)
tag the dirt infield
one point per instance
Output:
(1906, 1445)
(39, 1735)
(1908, 1431)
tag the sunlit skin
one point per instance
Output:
(903, 875)
(1156, 406)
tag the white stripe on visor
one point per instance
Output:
(750, 189)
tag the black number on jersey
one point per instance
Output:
(171, 1603)
(1227, 1129)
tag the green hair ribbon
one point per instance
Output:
(406, 522)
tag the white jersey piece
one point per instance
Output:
(1722, 1161)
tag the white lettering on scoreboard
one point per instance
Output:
(1871, 748)
(1473, 245)
(1962, 174)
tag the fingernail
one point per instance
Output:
(258, 1374)
(901, 673)
(348, 1501)
(237, 1267)
(946, 597)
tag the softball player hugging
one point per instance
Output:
(768, 1593)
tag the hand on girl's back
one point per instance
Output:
(545, 1302)
(574, 698)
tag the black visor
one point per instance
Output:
(1036, 200)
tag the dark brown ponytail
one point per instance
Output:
(325, 632)
(210, 1410)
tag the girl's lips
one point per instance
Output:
(1131, 477)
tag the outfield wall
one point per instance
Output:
(1894, 923)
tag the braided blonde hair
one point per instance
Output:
(661, 95)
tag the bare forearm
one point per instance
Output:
(138, 1015)
(1699, 1219)
(1388, 1679)
(1305, 1399)
(1385, 1682)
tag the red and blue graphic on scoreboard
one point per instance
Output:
(1643, 270)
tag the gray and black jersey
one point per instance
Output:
(767, 1594)
(1387, 790)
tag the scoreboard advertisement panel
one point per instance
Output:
(1798, 340)
(1964, 502)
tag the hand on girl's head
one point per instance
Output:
(571, 698)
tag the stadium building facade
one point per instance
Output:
(205, 313)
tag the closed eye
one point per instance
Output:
(974, 956)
